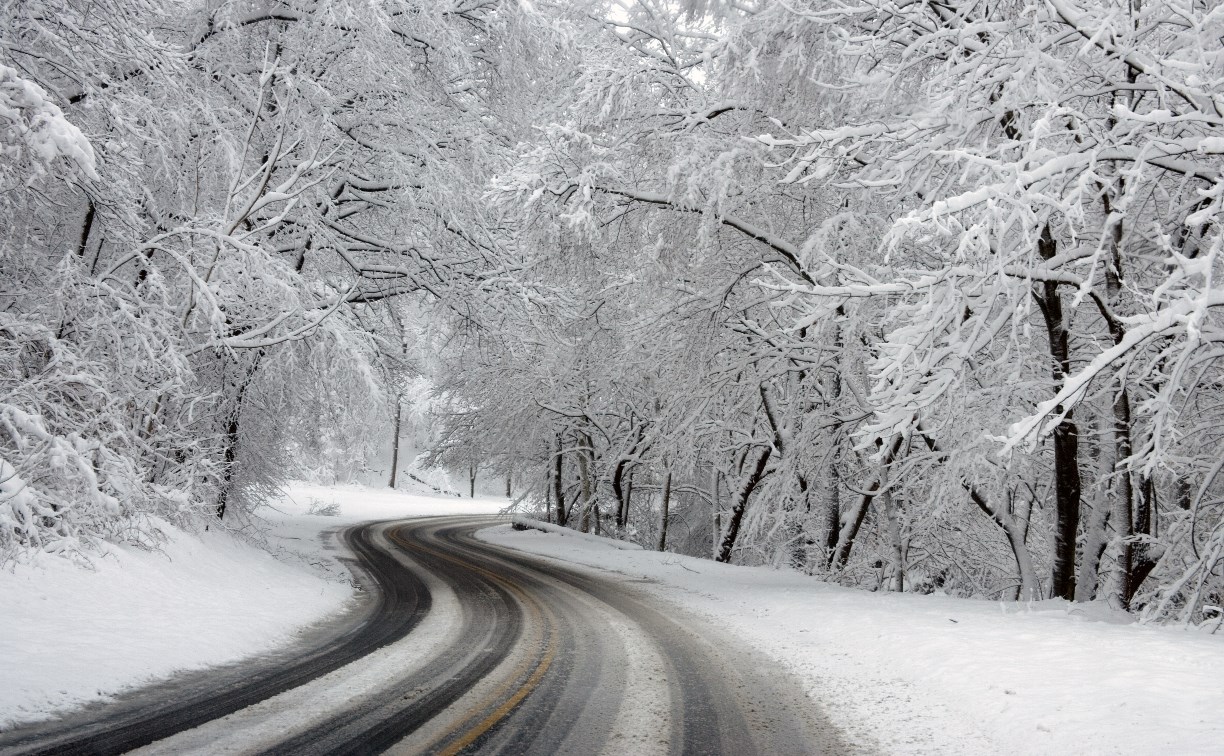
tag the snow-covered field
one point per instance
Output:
(933, 674)
(70, 636)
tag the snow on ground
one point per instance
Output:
(906, 673)
(70, 636)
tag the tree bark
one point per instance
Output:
(232, 429)
(395, 444)
(897, 584)
(832, 493)
(664, 515)
(1065, 436)
(86, 228)
(588, 488)
(854, 518)
(558, 485)
(618, 490)
(1095, 539)
(741, 504)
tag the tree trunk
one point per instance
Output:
(628, 496)
(618, 490)
(86, 228)
(588, 488)
(1096, 538)
(232, 429)
(558, 485)
(832, 512)
(664, 515)
(854, 518)
(741, 504)
(832, 493)
(471, 481)
(1065, 436)
(509, 479)
(548, 493)
(395, 444)
(897, 584)
(1095, 541)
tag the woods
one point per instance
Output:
(917, 296)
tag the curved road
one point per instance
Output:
(464, 647)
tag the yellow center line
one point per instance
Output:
(542, 666)
(483, 726)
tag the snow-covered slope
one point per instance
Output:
(69, 636)
(933, 674)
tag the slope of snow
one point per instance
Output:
(906, 673)
(69, 636)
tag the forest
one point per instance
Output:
(908, 295)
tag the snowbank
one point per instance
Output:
(361, 503)
(519, 522)
(933, 674)
(69, 636)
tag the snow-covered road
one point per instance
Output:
(892, 673)
(910, 674)
(471, 646)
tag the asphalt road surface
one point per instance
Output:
(459, 646)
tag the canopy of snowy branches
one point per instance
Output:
(910, 295)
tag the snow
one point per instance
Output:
(907, 673)
(897, 673)
(571, 533)
(70, 636)
(29, 119)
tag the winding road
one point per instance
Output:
(460, 646)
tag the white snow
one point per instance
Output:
(30, 120)
(897, 673)
(906, 673)
(69, 636)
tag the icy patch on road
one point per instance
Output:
(71, 636)
(907, 674)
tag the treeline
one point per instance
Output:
(911, 295)
(207, 213)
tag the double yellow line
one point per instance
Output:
(503, 700)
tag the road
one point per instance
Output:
(464, 647)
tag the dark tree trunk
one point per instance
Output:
(741, 504)
(86, 228)
(558, 485)
(232, 428)
(471, 481)
(665, 513)
(832, 493)
(854, 518)
(1065, 436)
(618, 490)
